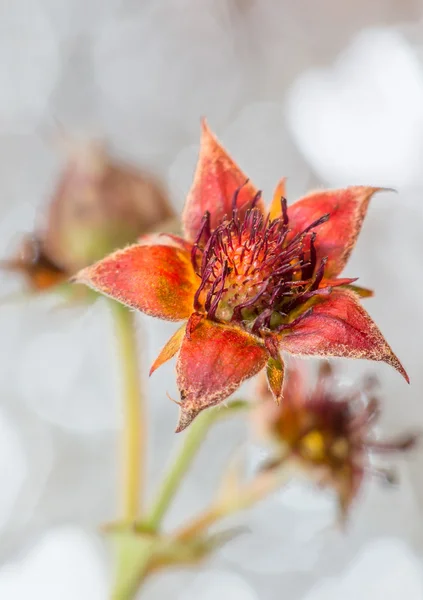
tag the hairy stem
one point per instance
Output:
(134, 429)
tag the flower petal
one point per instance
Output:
(337, 237)
(275, 209)
(217, 178)
(347, 283)
(339, 326)
(338, 281)
(361, 291)
(275, 375)
(169, 349)
(158, 280)
(213, 361)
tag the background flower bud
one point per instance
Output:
(100, 205)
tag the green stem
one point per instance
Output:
(132, 558)
(134, 429)
(241, 499)
(194, 437)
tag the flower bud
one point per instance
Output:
(100, 205)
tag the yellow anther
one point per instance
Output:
(313, 445)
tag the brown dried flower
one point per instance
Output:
(325, 430)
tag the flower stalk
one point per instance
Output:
(134, 429)
(194, 438)
(241, 499)
(140, 546)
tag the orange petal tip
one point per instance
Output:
(169, 349)
(279, 193)
(275, 376)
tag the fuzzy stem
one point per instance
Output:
(194, 437)
(134, 429)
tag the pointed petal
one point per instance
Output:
(216, 179)
(347, 283)
(275, 375)
(337, 282)
(275, 209)
(361, 291)
(158, 280)
(213, 361)
(169, 349)
(339, 326)
(337, 237)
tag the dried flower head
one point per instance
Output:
(250, 283)
(99, 205)
(325, 429)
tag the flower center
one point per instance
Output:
(319, 430)
(255, 271)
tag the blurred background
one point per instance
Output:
(324, 92)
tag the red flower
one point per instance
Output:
(251, 284)
(324, 431)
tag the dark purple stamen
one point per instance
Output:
(236, 194)
(256, 199)
(251, 264)
(284, 208)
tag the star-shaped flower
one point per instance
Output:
(249, 283)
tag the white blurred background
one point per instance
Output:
(327, 93)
